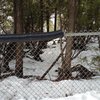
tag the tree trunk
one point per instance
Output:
(99, 41)
(18, 27)
(78, 14)
(47, 15)
(97, 21)
(42, 44)
(55, 20)
(47, 21)
(71, 28)
(61, 46)
(41, 16)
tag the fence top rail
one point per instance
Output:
(36, 36)
(82, 34)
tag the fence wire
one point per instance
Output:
(53, 68)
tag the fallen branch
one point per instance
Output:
(53, 63)
(77, 54)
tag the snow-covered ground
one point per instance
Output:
(93, 95)
(13, 88)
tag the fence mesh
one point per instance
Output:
(53, 68)
(35, 66)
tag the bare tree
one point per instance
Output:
(41, 15)
(18, 28)
(66, 74)
(55, 20)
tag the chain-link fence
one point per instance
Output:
(51, 68)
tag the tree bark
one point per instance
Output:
(18, 28)
(47, 20)
(41, 16)
(71, 28)
(55, 20)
